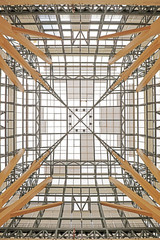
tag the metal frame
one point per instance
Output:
(85, 9)
(33, 99)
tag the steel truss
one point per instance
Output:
(73, 195)
(89, 234)
(84, 9)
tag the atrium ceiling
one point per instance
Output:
(80, 119)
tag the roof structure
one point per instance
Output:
(80, 119)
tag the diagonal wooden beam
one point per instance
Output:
(142, 203)
(154, 170)
(154, 30)
(13, 52)
(6, 69)
(126, 208)
(133, 44)
(136, 198)
(35, 209)
(146, 54)
(123, 33)
(13, 188)
(2, 209)
(147, 186)
(6, 214)
(28, 44)
(29, 195)
(35, 33)
(5, 173)
(155, 68)
(7, 29)
(41, 81)
(120, 79)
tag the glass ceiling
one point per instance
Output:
(82, 118)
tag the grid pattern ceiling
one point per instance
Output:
(81, 119)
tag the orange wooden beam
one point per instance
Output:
(136, 198)
(120, 79)
(142, 203)
(2, 209)
(154, 30)
(146, 54)
(6, 69)
(42, 82)
(154, 170)
(5, 173)
(35, 33)
(13, 188)
(7, 29)
(6, 214)
(123, 33)
(13, 52)
(28, 44)
(35, 209)
(126, 208)
(147, 186)
(133, 44)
